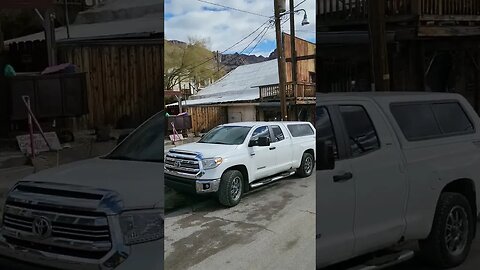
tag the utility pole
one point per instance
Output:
(293, 53)
(281, 58)
(378, 46)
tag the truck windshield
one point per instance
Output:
(145, 143)
(230, 135)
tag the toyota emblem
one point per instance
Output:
(178, 164)
(42, 227)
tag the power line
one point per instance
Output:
(236, 9)
(229, 48)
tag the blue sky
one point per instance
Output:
(223, 27)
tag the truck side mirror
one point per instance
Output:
(261, 141)
(325, 156)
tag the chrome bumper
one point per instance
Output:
(110, 261)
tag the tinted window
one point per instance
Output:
(452, 118)
(417, 121)
(277, 134)
(260, 132)
(299, 130)
(360, 130)
(324, 129)
(427, 120)
(145, 143)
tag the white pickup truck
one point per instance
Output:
(395, 169)
(232, 158)
(104, 213)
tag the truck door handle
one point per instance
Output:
(343, 177)
(273, 148)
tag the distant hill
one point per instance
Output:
(232, 61)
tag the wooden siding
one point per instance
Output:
(304, 67)
(205, 118)
(123, 80)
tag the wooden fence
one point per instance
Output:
(124, 80)
(205, 118)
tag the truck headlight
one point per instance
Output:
(211, 163)
(141, 226)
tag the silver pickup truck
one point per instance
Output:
(395, 169)
(102, 213)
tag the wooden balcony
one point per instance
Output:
(431, 13)
(303, 94)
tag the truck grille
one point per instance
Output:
(71, 230)
(183, 162)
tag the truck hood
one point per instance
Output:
(139, 184)
(208, 150)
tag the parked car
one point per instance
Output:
(101, 213)
(394, 169)
(233, 158)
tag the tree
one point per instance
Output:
(189, 62)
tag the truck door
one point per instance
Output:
(282, 143)
(335, 196)
(262, 157)
(380, 184)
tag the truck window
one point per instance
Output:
(277, 134)
(431, 120)
(262, 131)
(324, 127)
(360, 130)
(145, 143)
(452, 118)
(300, 130)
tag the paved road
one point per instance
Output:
(271, 228)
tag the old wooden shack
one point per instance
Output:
(433, 45)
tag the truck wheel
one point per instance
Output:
(231, 188)
(307, 165)
(452, 232)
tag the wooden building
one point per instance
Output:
(251, 92)
(433, 45)
(121, 54)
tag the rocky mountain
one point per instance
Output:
(232, 61)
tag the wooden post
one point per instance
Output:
(378, 46)
(49, 26)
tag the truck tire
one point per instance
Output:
(231, 188)
(307, 165)
(452, 232)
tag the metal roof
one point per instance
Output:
(113, 18)
(241, 84)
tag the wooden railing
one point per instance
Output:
(303, 90)
(357, 10)
(450, 7)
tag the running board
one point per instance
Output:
(271, 179)
(386, 261)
